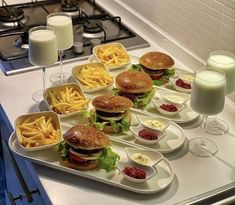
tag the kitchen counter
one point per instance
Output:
(193, 175)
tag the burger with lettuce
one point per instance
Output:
(159, 66)
(136, 86)
(111, 114)
(85, 148)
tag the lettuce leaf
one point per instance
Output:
(117, 126)
(63, 147)
(136, 67)
(108, 159)
(143, 101)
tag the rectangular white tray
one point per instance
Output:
(51, 158)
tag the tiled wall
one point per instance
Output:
(199, 25)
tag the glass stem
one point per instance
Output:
(203, 130)
(214, 121)
(61, 70)
(44, 77)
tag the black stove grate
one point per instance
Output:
(89, 21)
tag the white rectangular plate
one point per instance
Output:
(51, 158)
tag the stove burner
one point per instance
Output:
(23, 40)
(69, 6)
(11, 14)
(93, 26)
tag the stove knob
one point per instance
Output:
(77, 47)
(95, 42)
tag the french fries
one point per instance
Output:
(37, 132)
(66, 100)
(94, 76)
(112, 55)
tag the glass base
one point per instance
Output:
(215, 126)
(38, 96)
(56, 78)
(206, 149)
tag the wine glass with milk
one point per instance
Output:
(62, 23)
(42, 52)
(225, 61)
(207, 98)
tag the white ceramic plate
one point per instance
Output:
(36, 115)
(135, 130)
(58, 89)
(153, 157)
(117, 45)
(162, 101)
(77, 68)
(149, 171)
(175, 97)
(178, 88)
(50, 158)
(164, 122)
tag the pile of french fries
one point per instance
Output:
(67, 100)
(111, 55)
(37, 132)
(94, 76)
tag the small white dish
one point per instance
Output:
(155, 123)
(93, 65)
(135, 130)
(174, 97)
(162, 101)
(111, 48)
(181, 89)
(144, 157)
(55, 93)
(149, 171)
(24, 123)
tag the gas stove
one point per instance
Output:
(92, 25)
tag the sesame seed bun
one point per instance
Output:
(156, 61)
(133, 82)
(86, 138)
(110, 103)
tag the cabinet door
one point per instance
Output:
(19, 183)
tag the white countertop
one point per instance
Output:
(193, 175)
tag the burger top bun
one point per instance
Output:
(110, 103)
(134, 82)
(86, 137)
(156, 61)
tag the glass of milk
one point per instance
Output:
(207, 98)
(62, 23)
(43, 52)
(225, 61)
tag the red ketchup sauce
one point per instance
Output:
(183, 84)
(134, 172)
(169, 107)
(148, 135)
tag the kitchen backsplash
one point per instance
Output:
(200, 26)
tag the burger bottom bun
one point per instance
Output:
(89, 165)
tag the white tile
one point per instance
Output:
(228, 29)
(211, 11)
(213, 4)
(229, 12)
(230, 4)
(228, 21)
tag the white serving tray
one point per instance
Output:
(51, 158)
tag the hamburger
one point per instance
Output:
(85, 147)
(135, 85)
(157, 65)
(111, 114)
